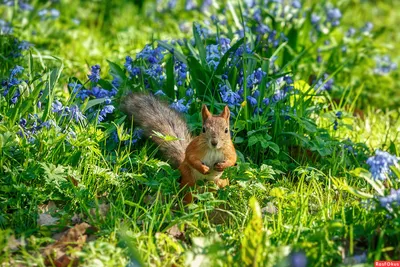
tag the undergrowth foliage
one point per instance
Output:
(309, 188)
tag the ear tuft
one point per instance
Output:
(226, 113)
(205, 114)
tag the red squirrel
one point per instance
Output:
(200, 158)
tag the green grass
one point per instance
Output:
(297, 186)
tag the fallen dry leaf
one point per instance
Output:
(175, 232)
(74, 238)
(46, 219)
(102, 210)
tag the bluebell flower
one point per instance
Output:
(17, 94)
(171, 4)
(333, 16)
(315, 19)
(255, 78)
(189, 92)
(76, 114)
(153, 56)
(393, 199)
(320, 86)
(225, 44)
(252, 101)
(106, 110)
(181, 72)
(367, 27)
(206, 5)
(350, 32)
(298, 259)
(266, 101)
(107, 101)
(116, 82)
(335, 125)
(75, 87)
(94, 76)
(99, 92)
(22, 122)
(179, 106)
(56, 106)
(49, 13)
(339, 115)
(258, 111)
(380, 164)
(278, 96)
(229, 97)
(189, 5)
(384, 65)
(136, 136)
(5, 27)
(212, 55)
(296, 4)
(16, 70)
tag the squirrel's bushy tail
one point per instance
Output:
(153, 115)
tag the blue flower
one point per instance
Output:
(16, 70)
(56, 106)
(380, 164)
(335, 125)
(339, 115)
(229, 97)
(392, 199)
(296, 4)
(22, 122)
(95, 74)
(189, 92)
(179, 106)
(278, 96)
(266, 101)
(17, 94)
(106, 110)
(116, 82)
(75, 113)
(189, 5)
(5, 27)
(255, 78)
(212, 55)
(320, 86)
(252, 101)
(99, 92)
(206, 5)
(333, 16)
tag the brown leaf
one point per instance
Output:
(101, 210)
(73, 238)
(46, 219)
(175, 232)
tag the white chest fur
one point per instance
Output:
(210, 158)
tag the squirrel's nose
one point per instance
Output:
(214, 143)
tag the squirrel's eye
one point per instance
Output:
(226, 130)
(204, 129)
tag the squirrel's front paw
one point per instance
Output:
(219, 167)
(205, 169)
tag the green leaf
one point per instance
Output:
(199, 44)
(170, 83)
(173, 51)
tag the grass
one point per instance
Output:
(301, 191)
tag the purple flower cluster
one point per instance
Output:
(393, 199)
(181, 72)
(380, 164)
(179, 106)
(230, 97)
(11, 82)
(5, 27)
(33, 127)
(51, 13)
(320, 86)
(94, 76)
(21, 4)
(384, 65)
(72, 112)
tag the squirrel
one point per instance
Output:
(198, 158)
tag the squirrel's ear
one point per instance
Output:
(225, 113)
(205, 114)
